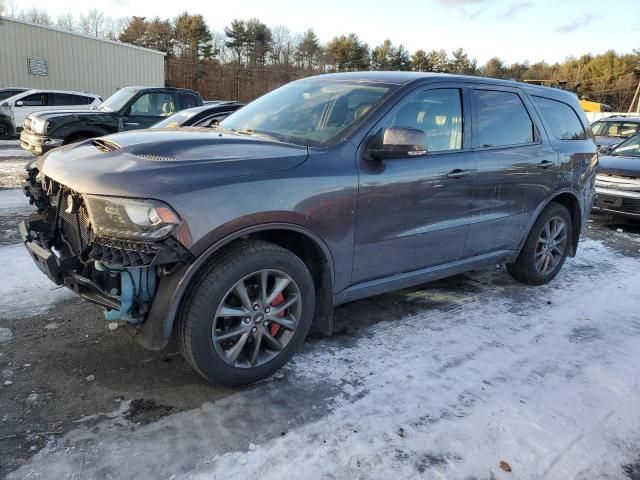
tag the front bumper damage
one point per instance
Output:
(124, 277)
(618, 195)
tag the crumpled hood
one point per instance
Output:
(619, 165)
(148, 163)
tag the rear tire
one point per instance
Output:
(546, 248)
(227, 298)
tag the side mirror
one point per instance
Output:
(398, 142)
(19, 103)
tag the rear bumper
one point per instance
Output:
(62, 271)
(38, 144)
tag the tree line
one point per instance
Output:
(249, 57)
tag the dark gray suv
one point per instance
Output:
(237, 240)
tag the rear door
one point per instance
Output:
(517, 168)
(413, 212)
(147, 109)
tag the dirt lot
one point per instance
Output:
(442, 381)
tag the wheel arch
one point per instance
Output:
(299, 240)
(571, 201)
(84, 133)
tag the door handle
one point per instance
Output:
(457, 173)
(545, 164)
(132, 124)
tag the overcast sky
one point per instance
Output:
(514, 30)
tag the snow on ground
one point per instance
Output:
(12, 173)
(24, 289)
(12, 162)
(545, 379)
(13, 201)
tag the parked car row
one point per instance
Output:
(329, 189)
(16, 107)
(46, 119)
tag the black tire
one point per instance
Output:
(524, 269)
(6, 130)
(195, 322)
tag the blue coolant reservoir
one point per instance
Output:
(137, 288)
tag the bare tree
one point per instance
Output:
(66, 22)
(93, 23)
(283, 45)
(35, 15)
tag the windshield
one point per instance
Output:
(308, 112)
(175, 120)
(620, 129)
(118, 100)
(628, 148)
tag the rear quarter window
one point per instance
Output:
(560, 118)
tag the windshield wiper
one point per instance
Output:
(251, 132)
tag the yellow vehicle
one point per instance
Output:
(587, 105)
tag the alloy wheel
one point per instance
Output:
(256, 318)
(551, 245)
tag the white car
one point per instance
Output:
(14, 110)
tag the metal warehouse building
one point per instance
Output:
(37, 56)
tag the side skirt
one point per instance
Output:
(418, 277)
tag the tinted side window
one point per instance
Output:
(502, 119)
(437, 112)
(154, 104)
(35, 100)
(560, 118)
(69, 99)
(187, 100)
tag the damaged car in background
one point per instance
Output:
(237, 239)
(618, 180)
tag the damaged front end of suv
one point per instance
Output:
(113, 251)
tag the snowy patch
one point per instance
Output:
(12, 173)
(24, 289)
(14, 201)
(544, 379)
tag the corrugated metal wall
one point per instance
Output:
(74, 62)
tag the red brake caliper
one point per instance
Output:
(274, 328)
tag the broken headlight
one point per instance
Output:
(131, 218)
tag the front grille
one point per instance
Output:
(73, 221)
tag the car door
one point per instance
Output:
(146, 109)
(413, 212)
(29, 104)
(517, 168)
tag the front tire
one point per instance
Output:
(546, 248)
(6, 130)
(246, 314)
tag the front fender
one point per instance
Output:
(157, 329)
